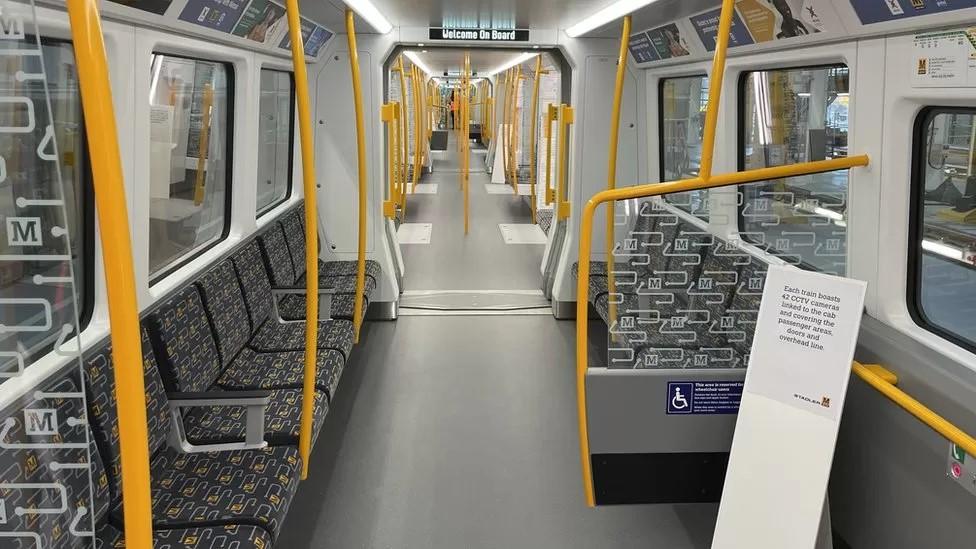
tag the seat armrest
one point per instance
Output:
(254, 402)
(325, 302)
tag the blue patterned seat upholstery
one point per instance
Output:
(339, 275)
(229, 536)
(282, 419)
(268, 335)
(224, 302)
(247, 487)
(47, 458)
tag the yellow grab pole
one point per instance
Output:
(401, 168)
(390, 204)
(715, 88)
(566, 117)
(417, 114)
(505, 136)
(465, 133)
(618, 93)
(552, 114)
(404, 119)
(644, 191)
(113, 219)
(311, 233)
(203, 146)
(357, 94)
(534, 153)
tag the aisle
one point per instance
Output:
(460, 432)
(481, 260)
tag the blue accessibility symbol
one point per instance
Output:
(681, 397)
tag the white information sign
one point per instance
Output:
(944, 59)
(785, 435)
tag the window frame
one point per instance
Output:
(913, 294)
(660, 135)
(289, 189)
(740, 159)
(194, 253)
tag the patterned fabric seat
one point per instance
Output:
(254, 370)
(47, 459)
(544, 218)
(215, 425)
(340, 275)
(269, 335)
(246, 487)
(230, 536)
(192, 355)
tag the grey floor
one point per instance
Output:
(453, 432)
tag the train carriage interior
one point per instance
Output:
(583, 274)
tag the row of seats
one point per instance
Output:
(224, 370)
(684, 298)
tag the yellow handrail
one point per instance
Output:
(566, 117)
(618, 92)
(884, 382)
(404, 120)
(113, 219)
(552, 114)
(203, 145)
(466, 136)
(644, 191)
(417, 114)
(534, 152)
(387, 115)
(311, 234)
(505, 137)
(516, 126)
(357, 94)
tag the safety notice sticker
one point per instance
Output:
(704, 397)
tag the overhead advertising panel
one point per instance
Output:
(213, 14)
(478, 35)
(641, 48)
(262, 22)
(669, 42)
(706, 25)
(313, 36)
(879, 11)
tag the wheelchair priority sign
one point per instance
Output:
(703, 397)
(680, 397)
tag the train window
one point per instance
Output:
(788, 116)
(682, 111)
(29, 181)
(276, 138)
(190, 163)
(944, 224)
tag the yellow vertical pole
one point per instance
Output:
(618, 93)
(715, 89)
(390, 204)
(417, 114)
(203, 145)
(505, 101)
(566, 117)
(113, 219)
(404, 120)
(534, 153)
(466, 133)
(401, 171)
(311, 233)
(552, 114)
(357, 94)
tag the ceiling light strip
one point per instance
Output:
(606, 15)
(371, 14)
(415, 59)
(521, 58)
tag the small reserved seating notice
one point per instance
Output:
(785, 435)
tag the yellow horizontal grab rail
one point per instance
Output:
(645, 191)
(884, 382)
(113, 219)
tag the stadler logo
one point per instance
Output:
(824, 401)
